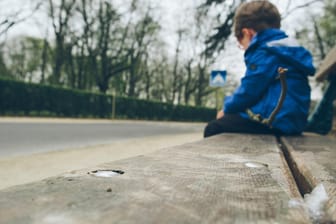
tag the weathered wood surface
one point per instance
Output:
(328, 66)
(224, 179)
(314, 162)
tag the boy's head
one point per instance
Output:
(256, 15)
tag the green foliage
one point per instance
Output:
(106, 46)
(24, 59)
(18, 98)
(319, 33)
(32, 98)
(327, 23)
(4, 72)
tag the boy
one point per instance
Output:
(267, 48)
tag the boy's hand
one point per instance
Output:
(220, 114)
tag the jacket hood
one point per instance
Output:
(286, 48)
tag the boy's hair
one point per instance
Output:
(257, 15)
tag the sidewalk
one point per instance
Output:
(29, 168)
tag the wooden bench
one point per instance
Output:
(230, 178)
(312, 161)
(321, 119)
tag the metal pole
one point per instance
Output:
(217, 93)
(113, 104)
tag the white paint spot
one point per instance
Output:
(56, 219)
(314, 202)
(106, 173)
(255, 165)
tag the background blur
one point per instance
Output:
(153, 50)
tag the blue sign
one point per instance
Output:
(217, 78)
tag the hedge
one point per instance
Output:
(19, 98)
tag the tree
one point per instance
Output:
(327, 24)
(176, 73)
(319, 33)
(103, 42)
(142, 36)
(60, 17)
(8, 21)
(159, 73)
(45, 57)
(4, 71)
(216, 42)
(196, 65)
(23, 59)
(107, 16)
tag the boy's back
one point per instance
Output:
(267, 48)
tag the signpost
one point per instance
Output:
(114, 95)
(217, 79)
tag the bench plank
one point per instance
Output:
(328, 66)
(313, 158)
(229, 178)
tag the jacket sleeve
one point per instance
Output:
(261, 70)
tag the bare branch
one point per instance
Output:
(14, 20)
(288, 5)
(300, 7)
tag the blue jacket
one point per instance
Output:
(260, 89)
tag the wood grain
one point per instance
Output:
(229, 178)
(314, 158)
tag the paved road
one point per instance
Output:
(18, 138)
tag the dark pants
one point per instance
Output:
(234, 123)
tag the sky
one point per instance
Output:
(172, 12)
